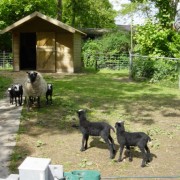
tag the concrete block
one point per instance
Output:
(13, 177)
(55, 172)
(34, 169)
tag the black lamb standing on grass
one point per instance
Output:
(11, 95)
(16, 94)
(49, 93)
(129, 139)
(95, 129)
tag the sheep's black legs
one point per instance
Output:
(20, 100)
(28, 103)
(148, 153)
(120, 154)
(112, 142)
(38, 101)
(144, 156)
(84, 142)
(129, 153)
(111, 148)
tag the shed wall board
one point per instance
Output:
(16, 50)
(45, 50)
(77, 52)
(64, 52)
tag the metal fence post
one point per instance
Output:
(130, 64)
(4, 59)
(179, 74)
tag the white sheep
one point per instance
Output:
(34, 86)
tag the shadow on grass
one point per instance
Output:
(107, 97)
(97, 92)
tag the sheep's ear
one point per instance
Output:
(117, 124)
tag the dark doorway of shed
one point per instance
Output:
(28, 51)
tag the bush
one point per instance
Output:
(109, 45)
(142, 68)
(156, 41)
(154, 69)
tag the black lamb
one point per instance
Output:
(11, 95)
(95, 129)
(49, 93)
(128, 139)
(16, 93)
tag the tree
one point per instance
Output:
(80, 13)
(157, 38)
(112, 43)
(13, 10)
(167, 10)
(59, 10)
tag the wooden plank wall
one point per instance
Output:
(77, 52)
(46, 51)
(16, 51)
(64, 52)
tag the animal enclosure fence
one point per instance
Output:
(6, 60)
(105, 60)
(155, 67)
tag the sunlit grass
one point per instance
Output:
(4, 84)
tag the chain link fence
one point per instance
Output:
(6, 60)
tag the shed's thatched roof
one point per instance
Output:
(35, 15)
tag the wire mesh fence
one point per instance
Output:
(104, 60)
(6, 60)
(155, 68)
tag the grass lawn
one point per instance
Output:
(4, 84)
(107, 96)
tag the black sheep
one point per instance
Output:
(95, 129)
(128, 139)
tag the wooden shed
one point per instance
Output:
(45, 44)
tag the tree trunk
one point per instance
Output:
(59, 10)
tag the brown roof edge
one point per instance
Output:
(44, 17)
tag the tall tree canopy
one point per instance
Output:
(13, 10)
(81, 13)
(165, 14)
(77, 13)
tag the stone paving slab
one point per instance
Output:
(9, 125)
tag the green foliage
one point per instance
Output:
(154, 40)
(166, 10)
(81, 14)
(142, 68)
(155, 69)
(110, 44)
(13, 10)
